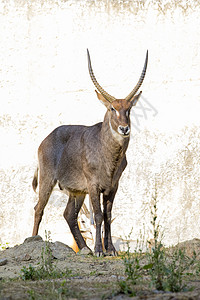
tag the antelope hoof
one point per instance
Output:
(85, 251)
(98, 250)
(99, 254)
(111, 253)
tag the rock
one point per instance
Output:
(36, 238)
(85, 251)
(3, 261)
(23, 257)
(190, 247)
(60, 250)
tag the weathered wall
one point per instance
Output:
(44, 82)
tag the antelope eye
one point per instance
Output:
(112, 108)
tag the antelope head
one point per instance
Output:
(118, 109)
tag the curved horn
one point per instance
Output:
(97, 85)
(138, 85)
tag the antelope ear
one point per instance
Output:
(135, 99)
(102, 99)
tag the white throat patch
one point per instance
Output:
(118, 137)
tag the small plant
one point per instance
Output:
(37, 273)
(30, 273)
(46, 255)
(126, 288)
(62, 290)
(157, 256)
(177, 268)
(133, 268)
(92, 273)
(132, 263)
(197, 268)
(31, 294)
(166, 271)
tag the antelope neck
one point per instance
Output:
(112, 139)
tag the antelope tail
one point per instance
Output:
(35, 180)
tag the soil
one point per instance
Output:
(89, 277)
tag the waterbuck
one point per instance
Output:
(87, 160)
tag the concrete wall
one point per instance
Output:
(44, 82)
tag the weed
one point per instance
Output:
(126, 288)
(178, 268)
(31, 294)
(46, 255)
(62, 290)
(157, 255)
(166, 271)
(92, 273)
(197, 269)
(133, 268)
(30, 273)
